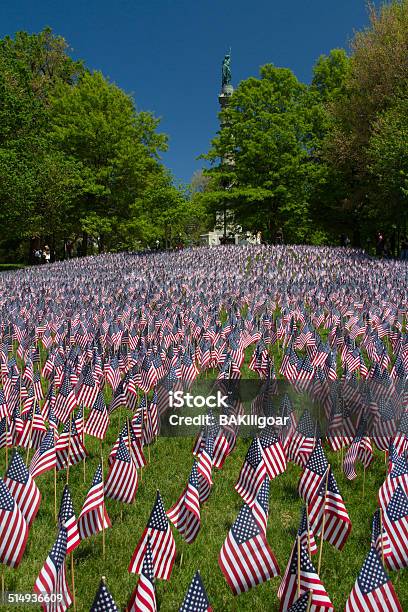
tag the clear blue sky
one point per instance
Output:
(168, 53)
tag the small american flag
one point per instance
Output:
(196, 598)
(313, 473)
(373, 589)
(122, 482)
(305, 533)
(22, 487)
(161, 540)
(67, 519)
(103, 601)
(397, 476)
(94, 517)
(87, 389)
(44, 458)
(260, 509)
(204, 468)
(395, 520)
(185, 514)
(379, 537)
(143, 597)
(273, 454)
(252, 475)
(246, 559)
(309, 581)
(13, 529)
(52, 578)
(301, 443)
(328, 503)
(98, 420)
(66, 400)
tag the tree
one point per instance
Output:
(30, 68)
(330, 74)
(388, 152)
(96, 123)
(264, 155)
(378, 68)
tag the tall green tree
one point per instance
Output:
(378, 69)
(264, 155)
(96, 123)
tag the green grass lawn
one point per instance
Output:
(171, 461)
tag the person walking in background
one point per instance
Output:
(379, 247)
(47, 254)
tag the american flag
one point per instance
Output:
(302, 603)
(252, 474)
(119, 397)
(148, 375)
(373, 589)
(305, 533)
(309, 581)
(4, 410)
(52, 578)
(246, 559)
(379, 537)
(69, 448)
(260, 509)
(313, 473)
(67, 519)
(87, 389)
(103, 601)
(395, 520)
(143, 597)
(134, 445)
(94, 517)
(196, 598)
(185, 514)
(49, 401)
(397, 476)
(13, 529)
(327, 506)
(122, 482)
(161, 540)
(273, 454)
(44, 458)
(66, 400)
(361, 449)
(299, 445)
(22, 487)
(204, 468)
(98, 420)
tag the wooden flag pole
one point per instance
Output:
(83, 439)
(69, 444)
(309, 601)
(55, 493)
(298, 566)
(73, 580)
(308, 530)
(6, 442)
(103, 521)
(364, 477)
(31, 426)
(2, 583)
(381, 535)
(324, 521)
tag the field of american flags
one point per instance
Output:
(259, 350)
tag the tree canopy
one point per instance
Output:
(78, 161)
(323, 159)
